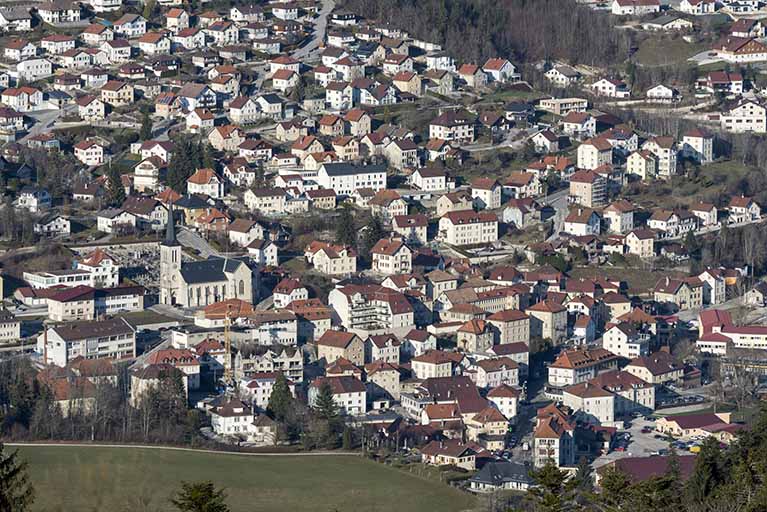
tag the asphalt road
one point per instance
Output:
(558, 201)
(190, 239)
(320, 26)
(45, 119)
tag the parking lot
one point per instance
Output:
(638, 445)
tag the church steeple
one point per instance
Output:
(170, 263)
(170, 229)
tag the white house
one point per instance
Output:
(349, 393)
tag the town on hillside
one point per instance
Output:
(298, 226)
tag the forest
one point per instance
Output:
(521, 30)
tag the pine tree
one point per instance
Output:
(549, 495)
(347, 442)
(281, 400)
(324, 405)
(116, 190)
(345, 232)
(195, 152)
(614, 483)
(16, 491)
(707, 472)
(208, 157)
(374, 232)
(182, 164)
(149, 7)
(146, 126)
(200, 497)
(582, 480)
(298, 92)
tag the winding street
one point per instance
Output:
(320, 27)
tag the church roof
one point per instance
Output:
(170, 230)
(209, 271)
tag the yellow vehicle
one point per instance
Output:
(694, 449)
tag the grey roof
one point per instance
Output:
(13, 14)
(518, 106)
(60, 95)
(110, 213)
(191, 202)
(170, 230)
(345, 169)
(73, 331)
(271, 98)
(210, 270)
(663, 20)
(497, 473)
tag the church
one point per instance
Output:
(194, 284)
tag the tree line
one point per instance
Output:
(522, 30)
(29, 410)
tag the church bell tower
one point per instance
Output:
(170, 263)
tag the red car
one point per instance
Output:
(620, 449)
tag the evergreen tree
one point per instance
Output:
(149, 7)
(374, 232)
(345, 232)
(195, 152)
(200, 497)
(299, 91)
(281, 400)
(146, 126)
(549, 496)
(706, 475)
(180, 167)
(208, 157)
(116, 191)
(347, 442)
(692, 245)
(582, 480)
(173, 396)
(16, 491)
(324, 405)
(614, 483)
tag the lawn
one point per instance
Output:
(713, 180)
(76, 478)
(640, 281)
(663, 52)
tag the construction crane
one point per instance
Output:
(228, 371)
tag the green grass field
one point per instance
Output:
(714, 179)
(137, 480)
(665, 52)
(640, 281)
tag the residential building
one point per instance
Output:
(626, 340)
(466, 227)
(111, 338)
